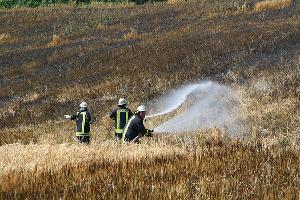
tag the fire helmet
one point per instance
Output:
(122, 101)
(83, 104)
(141, 108)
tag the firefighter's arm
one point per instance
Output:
(130, 113)
(140, 128)
(73, 116)
(112, 114)
(90, 118)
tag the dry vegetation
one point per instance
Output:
(231, 171)
(272, 4)
(6, 38)
(56, 40)
(53, 58)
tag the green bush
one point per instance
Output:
(7, 3)
(35, 3)
(31, 3)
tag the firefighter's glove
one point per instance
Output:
(149, 133)
(67, 116)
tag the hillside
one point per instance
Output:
(52, 58)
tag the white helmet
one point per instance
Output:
(122, 101)
(83, 104)
(141, 108)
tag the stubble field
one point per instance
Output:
(52, 58)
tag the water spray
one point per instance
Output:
(212, 105)
(173, 100)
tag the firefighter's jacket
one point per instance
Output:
(121, 115)
(83, 121)
(134, 128)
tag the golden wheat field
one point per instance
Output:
(52, 58)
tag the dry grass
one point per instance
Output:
(33, 65)
(272, 4)
(102, 27)
(176, 1)
(7, 38)
(133, 34)
(13, 72)
(108, 5)
(147, 171)
(56, 156)
(23, 71)
(38, 155)
(56, 40)
(212, 15)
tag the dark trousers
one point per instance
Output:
(118, 136)
(84, 139)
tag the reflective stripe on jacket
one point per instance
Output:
(121, 120)
(83, 121)
(121, 116)
(133, 128)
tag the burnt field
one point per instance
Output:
(52, 58)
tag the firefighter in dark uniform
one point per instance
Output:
(83, 120)
(120, 115)
(135, 128)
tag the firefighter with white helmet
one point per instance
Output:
(135, 128)
(83, 120)
(120, 115)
